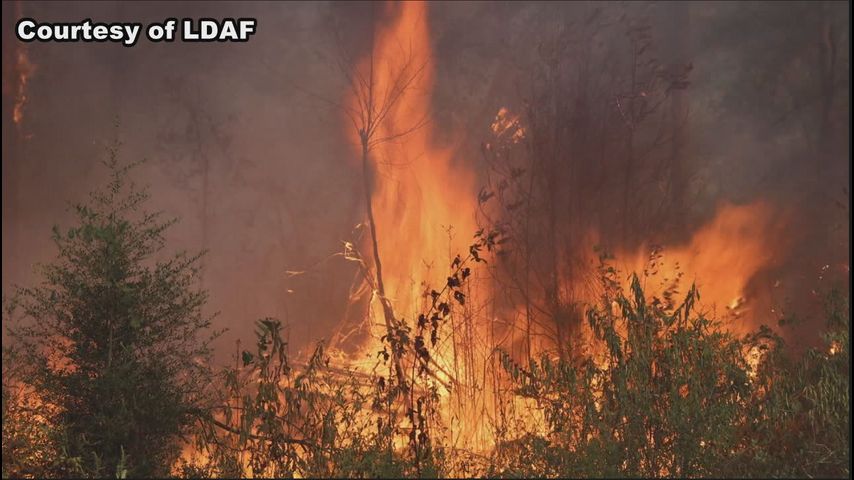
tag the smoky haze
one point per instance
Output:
(255, 125)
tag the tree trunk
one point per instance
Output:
(388, 313)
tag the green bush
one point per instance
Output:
(798, 422)
(670, 393)
(112, 339)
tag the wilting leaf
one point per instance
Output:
(460, 297)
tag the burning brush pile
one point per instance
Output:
(547, 317)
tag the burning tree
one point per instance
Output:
(378, 86)
(417, 200)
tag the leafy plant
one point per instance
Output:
(668, 392)
(112, 340)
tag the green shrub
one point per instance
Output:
(671, 393)
(798, 422)
(112, 338)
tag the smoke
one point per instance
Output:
(281, 190)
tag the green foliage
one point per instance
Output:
(30, 442)
(111, 339)
(661, 398)
(672, 394)
(799, 423)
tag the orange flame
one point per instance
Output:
(722, 257)
(424, 205)
(418, 193)
(24, 69)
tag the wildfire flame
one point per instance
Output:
(22, 69)
(424, 208)
(722, 257)
(507, 126)
(419, 194)
(423, 204)
(834, 348)
(25, 69)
